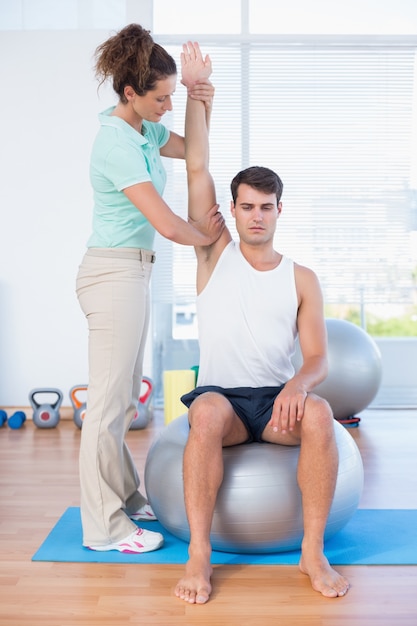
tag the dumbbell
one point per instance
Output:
(46, 414)
(15, 421)
(79, 406)
(144, 410)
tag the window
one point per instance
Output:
(336, 118)
(62, 15)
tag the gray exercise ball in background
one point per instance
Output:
(258, 508)
(355, 368)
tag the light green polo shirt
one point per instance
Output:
(122, 157)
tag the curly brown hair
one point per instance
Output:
(131, 57)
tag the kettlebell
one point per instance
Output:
(80, 406)
(144, 411)
(46, 415)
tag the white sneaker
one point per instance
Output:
(139, 541)
(144, 514)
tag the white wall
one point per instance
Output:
(399, 373)
(49, 107)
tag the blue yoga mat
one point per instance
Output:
(371, 537)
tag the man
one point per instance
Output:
(251, 303)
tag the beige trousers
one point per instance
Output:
(113, 290)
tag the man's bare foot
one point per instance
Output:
(195, 586)
(323, 577)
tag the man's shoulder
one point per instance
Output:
(211, 254)
(306, 280)
(304, 270)
(208, 258)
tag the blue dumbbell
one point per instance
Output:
(3, 417)
(16, 420)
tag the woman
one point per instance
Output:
(128, 180)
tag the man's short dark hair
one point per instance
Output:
(258, 177)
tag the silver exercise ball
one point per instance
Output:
(355, 368)
(258, 508)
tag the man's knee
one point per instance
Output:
(209, 410)
(318, 413)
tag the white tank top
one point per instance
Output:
(247, 322)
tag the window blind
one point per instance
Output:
(337, 124)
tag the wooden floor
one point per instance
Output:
(39, 480)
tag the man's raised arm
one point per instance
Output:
(195, 75)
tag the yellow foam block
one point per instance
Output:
(176, 383)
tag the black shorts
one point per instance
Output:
(252, 405)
